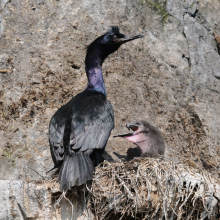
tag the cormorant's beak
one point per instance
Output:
(124, 40)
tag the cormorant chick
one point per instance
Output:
(148, 138)
(79, 130)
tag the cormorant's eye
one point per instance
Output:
(114, 37)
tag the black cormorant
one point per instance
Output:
(148, 138)
(79, 130)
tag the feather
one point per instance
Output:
(76, 170)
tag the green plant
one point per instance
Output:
(159, 6)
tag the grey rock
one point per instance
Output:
(23, 200)
(179, 8)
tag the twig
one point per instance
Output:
(123, 183)
(60, 198)
(90, 190)
(64, 196)
(35, 171)
(23, 214)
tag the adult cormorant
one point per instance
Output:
(148, 138)
(79, 130)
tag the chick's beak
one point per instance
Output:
(129, 127)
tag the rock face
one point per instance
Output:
(171, 77)
(23, 200)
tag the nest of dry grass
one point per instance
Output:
(153, 189)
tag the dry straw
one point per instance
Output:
(153, 189)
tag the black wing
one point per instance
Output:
(91, 125)
(85, 122)
(56, 133)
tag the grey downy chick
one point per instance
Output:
(148, 138)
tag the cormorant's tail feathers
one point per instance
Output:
(76, 170)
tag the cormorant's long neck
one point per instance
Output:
(93, 66)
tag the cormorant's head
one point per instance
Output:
(115, 39)
(110, 41)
